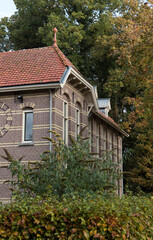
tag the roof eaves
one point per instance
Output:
(65, 76)
(30, 87)
(112, 123)
(81, 78)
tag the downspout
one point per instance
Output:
(50, 119)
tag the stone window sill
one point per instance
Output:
(26, 144)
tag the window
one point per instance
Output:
(97, 138)
(110, 143)
(104, 138)
(115, 148)
(65, 122)
(77, 122)
(119, 150)
(89, 131)
(28, 126)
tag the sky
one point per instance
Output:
(7, 8)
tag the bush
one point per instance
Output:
(67, 170)
(96, 217)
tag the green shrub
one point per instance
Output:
(66, 170)
(91, 217)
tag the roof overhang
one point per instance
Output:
(30, 87)
(114, 125)
(86, 85)
(54, 85)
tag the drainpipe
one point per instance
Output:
(50, 119)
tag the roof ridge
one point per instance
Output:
(64, 59)
(26, 49)
(61, 56)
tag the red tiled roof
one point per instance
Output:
(32, 66)
(114, 124)
(108, 118)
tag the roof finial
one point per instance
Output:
(55, 41)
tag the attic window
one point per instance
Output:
(104, 105)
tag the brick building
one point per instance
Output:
(41, 90)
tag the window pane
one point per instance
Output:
(97, 137)
(65, 122)
(65, 130)
(77, 116)
(77, 122)
(28, 126)
(104, 138)
(65, 109)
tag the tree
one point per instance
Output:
(5, 43)
(79, 22)
(130, 84)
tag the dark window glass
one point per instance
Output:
(65, 126)
(28, 126)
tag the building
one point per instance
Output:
(41, 90)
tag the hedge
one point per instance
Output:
(97, 217)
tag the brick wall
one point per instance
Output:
(110, 143)
(39, 101)
(75, 101)
(12, 140)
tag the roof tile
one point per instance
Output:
(32, 66)
(108, 118)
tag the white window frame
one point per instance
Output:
(65, 122)
(77, 122)
(23, 126)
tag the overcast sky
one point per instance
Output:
(7, 8)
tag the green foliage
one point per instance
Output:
(79, 23)
(130, 85)
(111, 44)
(5, 43)
(66, 170)
(85, 218)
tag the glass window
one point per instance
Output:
(104, 138)
(97, 138)
(115, 148)
(110, 143)
(119, 150)
(65, 122)
(28, 126)
(77, 120)
(89, 131)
